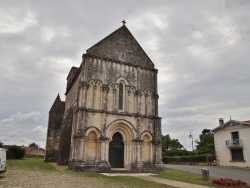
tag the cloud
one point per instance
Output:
(21, 128)
(20, 117)
(199, 47)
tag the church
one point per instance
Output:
(109, 119)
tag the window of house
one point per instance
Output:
(235, 135)
(237, 154)
(120, 96)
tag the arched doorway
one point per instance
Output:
(116, 151)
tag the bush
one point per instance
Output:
(186, 159)
(15, 152)
(172, 153)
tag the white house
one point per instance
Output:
(231, 141)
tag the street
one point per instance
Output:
(216, 171)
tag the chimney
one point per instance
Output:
(221, 121)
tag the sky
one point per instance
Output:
(201, 49)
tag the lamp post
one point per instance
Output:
(191, 137)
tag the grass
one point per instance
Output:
(39, 164)
(178, 175)
(29, 164)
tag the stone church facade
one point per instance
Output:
(110, 115)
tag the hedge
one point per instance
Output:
(186, 159)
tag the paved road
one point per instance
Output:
(216, 171)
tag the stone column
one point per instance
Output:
(80, 95)
(138, 94)
(158, 145)
(81, 149)
(126, 101)
(105, 94)
(94, 98)
(138, 165)
(84, 97)
(115, 101)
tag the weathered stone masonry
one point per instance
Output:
(111, 109)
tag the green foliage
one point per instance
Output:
(169, 144)
(15, 152)
(33, 144)
(172, 153)
(30, 164)
(205, 144)
(187, 159)
(182, 176)
(1, 144)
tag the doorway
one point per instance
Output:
(116, 151)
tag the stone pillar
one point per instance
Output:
(138, 165)
(84, 93)
(138, 94)
(94, 98)
(126, 101)
(158, 145)
(156, 92)
(138, 151)
(81, 148)
(105, 94)
(80, 95)
(115, 101)
(103, 148)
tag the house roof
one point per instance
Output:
(232, 123)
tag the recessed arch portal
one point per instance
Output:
(126, 132)
(116, 151)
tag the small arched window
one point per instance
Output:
(120, 96)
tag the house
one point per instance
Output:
(231, 141)
(110, 116)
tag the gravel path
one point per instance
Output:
(41, 179)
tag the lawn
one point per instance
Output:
(184, 177)
(39, 164)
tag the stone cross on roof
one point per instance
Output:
(124, 22)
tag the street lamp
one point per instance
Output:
(191, 137)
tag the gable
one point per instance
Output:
(232, 123)
(122, 46)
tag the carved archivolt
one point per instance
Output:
(126, 129)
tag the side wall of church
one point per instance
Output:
(68, 124)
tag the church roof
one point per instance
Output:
(58, 105)
(121, 46)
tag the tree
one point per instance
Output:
(15, 152)
(33, 144)
(1, 144)
(205, 144)
(169, 144)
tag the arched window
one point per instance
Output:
(120, 96)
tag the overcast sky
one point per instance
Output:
(201, 48)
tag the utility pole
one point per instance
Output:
(191, 137)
